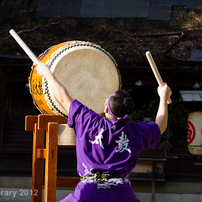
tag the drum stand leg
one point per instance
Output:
(31, 123)
(51, 163)
(39, 125)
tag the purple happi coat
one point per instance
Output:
(108, 148)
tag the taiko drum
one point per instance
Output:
(86, 70)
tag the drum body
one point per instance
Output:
(194, 133)
(87, 71)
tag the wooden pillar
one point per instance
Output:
(2, 115)
(31, 124)
(37, 165)
(50, 124)
(153, 180)
(51, 163)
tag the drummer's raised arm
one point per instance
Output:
(56, 87)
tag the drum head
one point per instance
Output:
(87, 72)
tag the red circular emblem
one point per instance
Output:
(191, 132)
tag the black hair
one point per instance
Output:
(121, 103)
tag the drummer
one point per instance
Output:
(107, 147)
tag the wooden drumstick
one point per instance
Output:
(24, 46)
(156, 72)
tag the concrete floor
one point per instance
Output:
(19, 190)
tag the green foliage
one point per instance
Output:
(3, 47)
(178, 115)
(147, 110)
(178, 112)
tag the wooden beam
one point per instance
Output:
(173, 76)
(41, 153)
(70, 182)
(2, 100)
(30, 122)
(44, 120)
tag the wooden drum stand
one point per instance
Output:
(48, 125)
